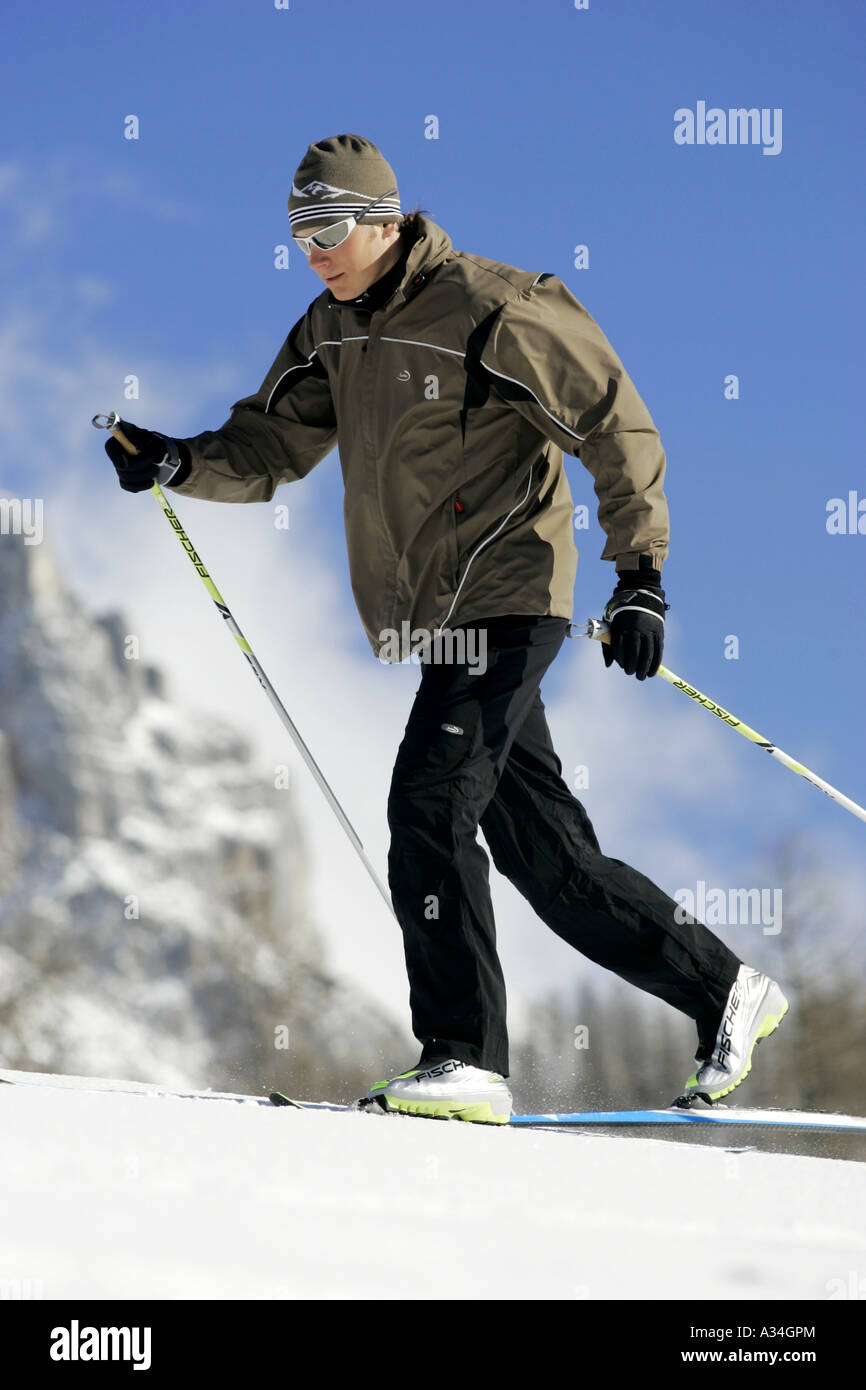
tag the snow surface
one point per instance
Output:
(105, 1194)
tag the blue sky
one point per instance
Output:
(155, 257)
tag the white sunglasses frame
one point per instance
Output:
(305, 243)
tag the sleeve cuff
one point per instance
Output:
(184, 467)
(636, 561)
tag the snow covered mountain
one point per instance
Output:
(153, 914)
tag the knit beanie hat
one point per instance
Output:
(339, 177)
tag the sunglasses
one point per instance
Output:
(330, 237)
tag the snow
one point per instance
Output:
(147, 1195)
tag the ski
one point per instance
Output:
(776, 1119)
(279, 1098)
(718, 1115)
(94, 1085)
(574, 1120)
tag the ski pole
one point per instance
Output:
(111, 423)
(599, 631)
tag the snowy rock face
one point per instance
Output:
(152, 884)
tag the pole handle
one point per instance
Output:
(595, 628)
(110, 423)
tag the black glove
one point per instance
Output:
(159, 459)
(636, 614)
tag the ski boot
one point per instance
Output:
(448, 1090)
(755, 1007)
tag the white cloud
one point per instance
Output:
(30, 206)
(44, 201)
(135, 194)
(93, 289)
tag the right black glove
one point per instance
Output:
(159, 459)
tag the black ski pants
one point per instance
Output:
(477, 750)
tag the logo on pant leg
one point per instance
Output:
(451, 728)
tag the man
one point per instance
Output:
(452, 384)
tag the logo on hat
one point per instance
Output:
(324, 190)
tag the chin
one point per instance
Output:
(339, 291)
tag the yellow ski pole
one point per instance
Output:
(111, 423)
(599, 631)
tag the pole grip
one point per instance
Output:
(122, 440)
(111, 423)
(598, 630)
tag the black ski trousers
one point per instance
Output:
(477, 750)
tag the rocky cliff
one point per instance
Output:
(153, 914)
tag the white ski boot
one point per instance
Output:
(449, 1090)
(754, 1010)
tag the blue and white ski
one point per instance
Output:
(578, 1119)
(574, 1120)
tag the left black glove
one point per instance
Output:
(636, 614)
(159, 459)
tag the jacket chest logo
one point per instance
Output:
(404, 375)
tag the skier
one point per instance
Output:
(453, 385)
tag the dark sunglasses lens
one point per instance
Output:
(329, 237)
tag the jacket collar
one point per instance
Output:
(407, 276)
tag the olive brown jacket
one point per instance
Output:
(451, 405)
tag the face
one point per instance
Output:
(352, 267)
